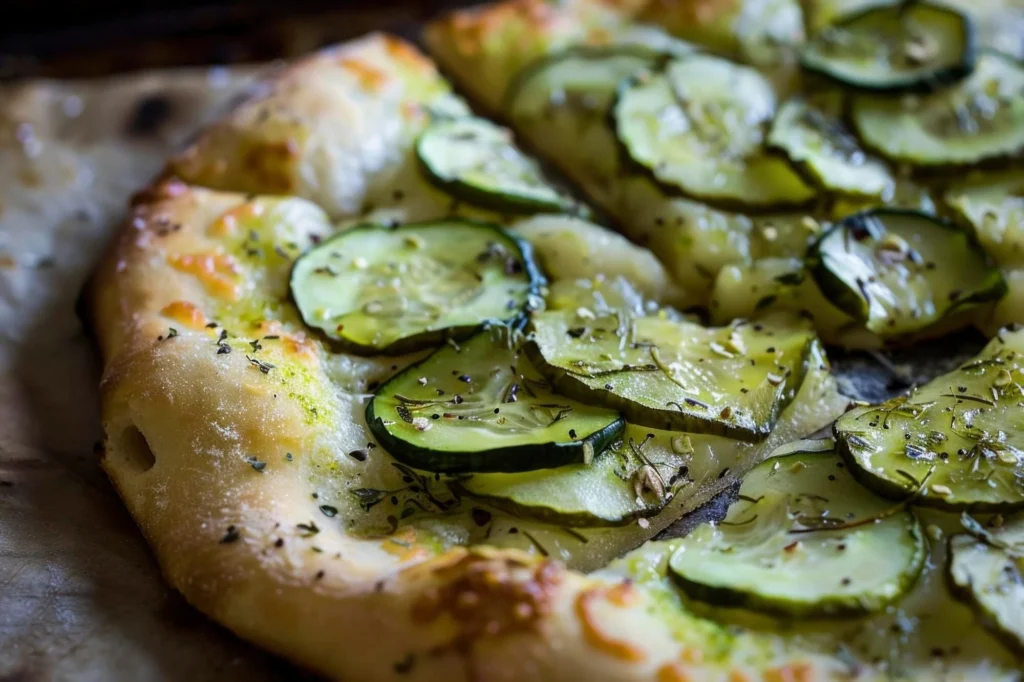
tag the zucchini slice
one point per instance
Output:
(899, 271)
(993, 204)
(614, 489)
(675, 375)
(803, 540)
(986, 570)
(377, 289)
(957, 442)
(481, 406)
(476, 161)
(979, 118)
(696, 125)
(826, 152)
(907, 47)
(580, 79)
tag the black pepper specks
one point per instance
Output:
(232, 535)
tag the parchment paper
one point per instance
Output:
(80, 596)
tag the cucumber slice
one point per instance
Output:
(803, 540)
(580, 79)
(675, 375)
(957, 442)
(696, 126)
(909, 47)
(979, 118)
(899, 271)
(476, 161)
(986, 570)
(993, 204)
(481, 406)
(377, 289)
(828, 154)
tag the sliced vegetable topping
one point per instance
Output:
(675, 375)
(986, 570)
(475, 160)
(898, 271)
(579, 78)
(979, 118)
(908, 46)
(993, 204)
(829, 155)
(481, 406)
(696, 125)
(378, 289)
(956, 442)
(618, 486)
(804, 539)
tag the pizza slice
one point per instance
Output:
(324, 407)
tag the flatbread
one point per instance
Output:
(230, 428)
(226, 459)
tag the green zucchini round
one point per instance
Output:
(906, 47)
(479, 406)
(986, 571)
(476, 161)
(819, 145)
(672, 374)
(803, 540)
(979, 118)
(956, 443)
(606, 492)
(993, 204)
(899, 271)
(568, 78)
(696, 126)
(376, 289)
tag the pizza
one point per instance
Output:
(402, 389)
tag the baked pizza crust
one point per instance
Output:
(199, 441)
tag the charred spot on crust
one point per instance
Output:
(150, 114)
(489, 595)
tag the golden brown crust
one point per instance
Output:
(213, 446)
(323, 130)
